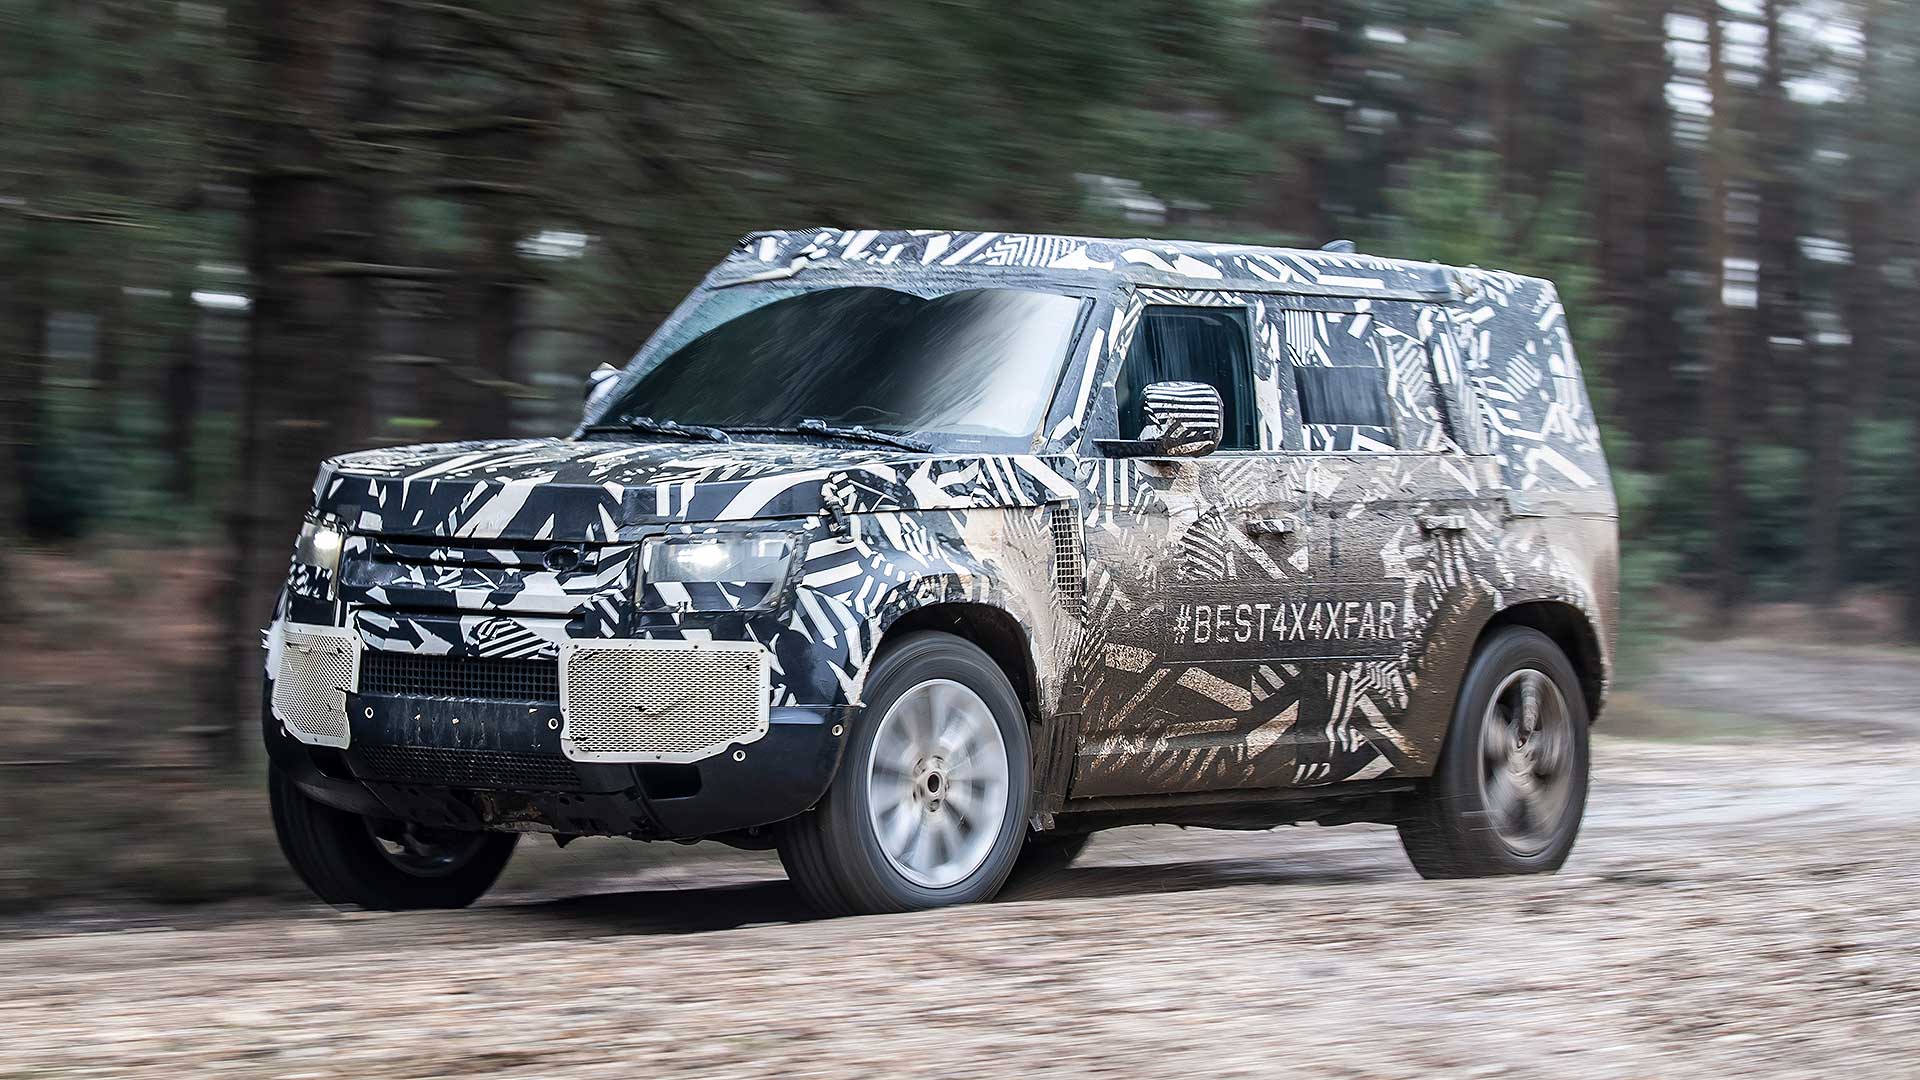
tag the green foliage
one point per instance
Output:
(1452, 130)
(1880, 497)
(66, 500)
(1678, 525)
(1450, 209)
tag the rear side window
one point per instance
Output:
(1192, 344)
(1344, 395)
(1343, 380)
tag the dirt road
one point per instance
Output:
(1743, 905)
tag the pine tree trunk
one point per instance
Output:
(499, 289)
(1722, 413)
(180, 396)
(301, 385)
(1903, 320)
(1300, 38)
(21, 320)
(1629, 193)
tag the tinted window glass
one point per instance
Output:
(1343, 395)
(978, 362)
(1205, 345)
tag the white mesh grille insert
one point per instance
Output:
(318, 665)
(661, 700)
(1069, 577)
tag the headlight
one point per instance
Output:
(757, 562)
(319, 546)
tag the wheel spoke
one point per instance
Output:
(961, 799)
(948, 836)
(1523, 813)
(945, 706)
(961, 756)
(1501, 797)
(1495, 740)
(1549, 755)
(1530, 701)
(920, 849)
(921, 734)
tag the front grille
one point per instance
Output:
(474, 678)
(676, 701)
(446, 767)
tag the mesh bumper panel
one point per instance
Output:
(674, 701)
(318, 665)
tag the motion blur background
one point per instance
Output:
(236, 238)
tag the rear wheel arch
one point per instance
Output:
(1569, 628)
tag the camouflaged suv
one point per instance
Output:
(922, 555)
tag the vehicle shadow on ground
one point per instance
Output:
(1095, 882)
(733, 906)
(668, 911)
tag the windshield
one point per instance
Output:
(983, 362)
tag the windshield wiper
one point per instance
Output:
(822, 429)
(648, 425)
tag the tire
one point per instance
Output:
(342, 858)
(1503, 801)
(857, 851)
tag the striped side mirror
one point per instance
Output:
(1181, 419)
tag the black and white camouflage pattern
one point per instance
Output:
(1296, 615)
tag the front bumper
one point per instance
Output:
(473, 764)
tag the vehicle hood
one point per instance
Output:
(600, 490)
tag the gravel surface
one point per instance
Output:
(1741, 907)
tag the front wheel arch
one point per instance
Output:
(996, 631)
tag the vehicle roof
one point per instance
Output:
(1180, 264)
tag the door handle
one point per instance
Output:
(1444, 522)
(1268, 526)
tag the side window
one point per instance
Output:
(1192, 344)
(1343, 380)
(1344, 396)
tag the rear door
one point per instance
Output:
(1399, 505)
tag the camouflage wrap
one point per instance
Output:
(1298, 614)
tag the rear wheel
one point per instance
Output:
(351, 860)
(1512, 783)
(928, 808)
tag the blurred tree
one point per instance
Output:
(1637, 225)
(1721, 392)
(304, 384)
(443, 211)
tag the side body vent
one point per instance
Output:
(1069, 573)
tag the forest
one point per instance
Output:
(238, 237)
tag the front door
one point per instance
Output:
(1188, 681)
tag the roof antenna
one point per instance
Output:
(1343, 247)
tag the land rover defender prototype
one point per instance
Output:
(922, 555)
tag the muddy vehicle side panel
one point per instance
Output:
(1224, 654)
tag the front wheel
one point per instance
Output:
(351, 860)
(1512, 783)
(928, 808)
